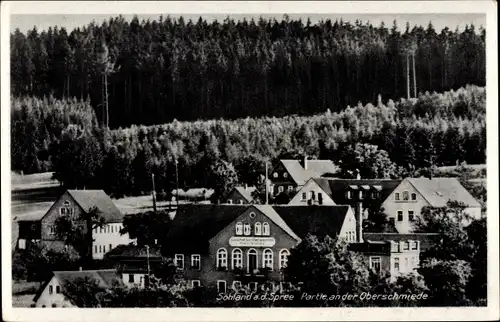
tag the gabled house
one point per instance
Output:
(226, 245)
(331, 191)
(76, 204)
(52, 293)
(406, 201)
(291, 175)
(134, 263)
(239, 196)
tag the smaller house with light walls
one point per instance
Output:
(407, 200)
(240, 195)
(76, 204)
(291, 175)
(52, 293)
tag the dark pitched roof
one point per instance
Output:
(316, 220)
(88, 199)
(134, 251)
(315, 168)
(246, 192)
(104, 277)
(271, 213)
(336, 188)
(383, 247)
(426, 239)
(194, 225)
(438, 191)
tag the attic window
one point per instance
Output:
(285, 175)
(66, 203)
(406, 195)
(239, 228)
(252, 215)
(247, 230)
(348, 195)
(275, 174)
(413, 196)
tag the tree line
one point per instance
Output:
(398, 137)
(150, 72)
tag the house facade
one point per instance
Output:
(239, 196)
(52, 293)
(247, 245)
(395, 257)
(291, 175)
(76, 205)
(406, 201)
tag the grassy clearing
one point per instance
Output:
(22, 300)
(32, 181)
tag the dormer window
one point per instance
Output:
(361, 194)
(258, 229)
(265, 229)
(348, 195)
(247, 230)
(275, 175)
(239, 228)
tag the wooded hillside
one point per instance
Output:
(152, 72)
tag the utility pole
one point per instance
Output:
(147, 261)
(177, 183)
(267, 193)
(154, 191)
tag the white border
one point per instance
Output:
(261, 7)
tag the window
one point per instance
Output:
(100, 248)
(236, 285)
(413, 196)
(406, 245)
(320, 198)
(52, 230)
(415, 245)
(406, 195)
(400, 215)
(361, 194)
(265, 229)
(179, 261)
(51, 289)
(348, 195)
(195, 283)
(267, 258)
(195, 261)
(375, 195)
(411, 215)
(285, 175)
(221, 258)
(221, 286)
(131, 278)
(237, 257)
(284, 253)
(240, 201)
(281, 189)
(396, 196)
(247, 230)
(313, 195)
(66, 203)
(95, 249)
(275, 174)
(110, 247)
(252, 215)
(290, 188)
(58, 289)
(230, 201)
(396, 264)
(258, 229)
(406, 263)
(239, 228)
(375, 263)
(304, 196)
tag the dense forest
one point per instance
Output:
(152, 72)
(433, 129)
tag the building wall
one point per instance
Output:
(209, 274)
(138, 279)
(311, 186)
(392, 206)
(283, 179)
(235, 198)
(408, 261)
(349, 225)
(48, 221)
(107, 238)
(46, 299)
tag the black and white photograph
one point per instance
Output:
(240, 159)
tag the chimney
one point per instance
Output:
(358, 213)
(80, 268)
(246, 187)
(305, 162)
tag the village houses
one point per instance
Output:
(76, 205)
